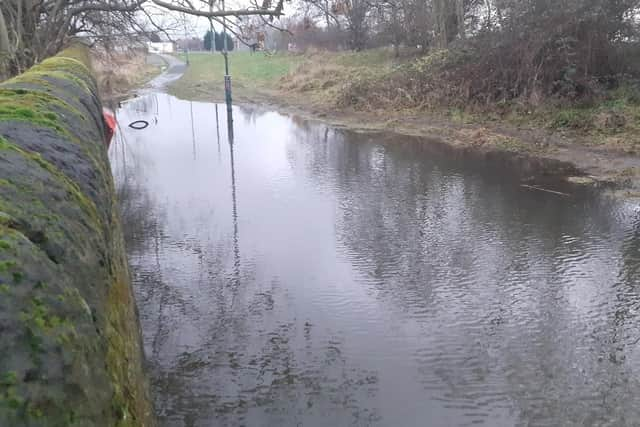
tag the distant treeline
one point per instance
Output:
(217, 39)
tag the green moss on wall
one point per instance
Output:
(71, 187)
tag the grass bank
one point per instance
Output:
(373, 90)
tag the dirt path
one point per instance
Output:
(175, 70)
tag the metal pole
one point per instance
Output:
(224, 44)
(227, 77)
(186, 41)
(211, 30)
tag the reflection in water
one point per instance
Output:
(193, 131)
(382, 282)
(218, 130)
(234, 203)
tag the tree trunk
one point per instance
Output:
(396, 31)
(488, 6)
(499, 13)
(460, 18)
(440, 23)
(357, 14)
(5, 48)
(326, 14)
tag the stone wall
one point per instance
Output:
(70, 348)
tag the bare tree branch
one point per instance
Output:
(219, 13)
(34, 29)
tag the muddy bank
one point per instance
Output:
(68, 324)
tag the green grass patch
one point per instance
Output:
(249, 71)
(572, 118)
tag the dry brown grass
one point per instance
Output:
(326, 76)
(119, 73)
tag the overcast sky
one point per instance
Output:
(198, 26)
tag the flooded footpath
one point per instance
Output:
(291, 274)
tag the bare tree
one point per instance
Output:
(356, 12)
(353, 14)
(460, 18)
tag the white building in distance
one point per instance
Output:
(161, 47)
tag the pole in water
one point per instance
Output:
(227, 96)
(230, 134)
(227, 77)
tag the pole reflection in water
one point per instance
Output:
(193, 131)
(218, 131)
(234, 201)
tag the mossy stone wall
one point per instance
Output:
(70, 347)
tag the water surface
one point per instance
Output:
(309, 276)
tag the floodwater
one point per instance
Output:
(310, 276)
